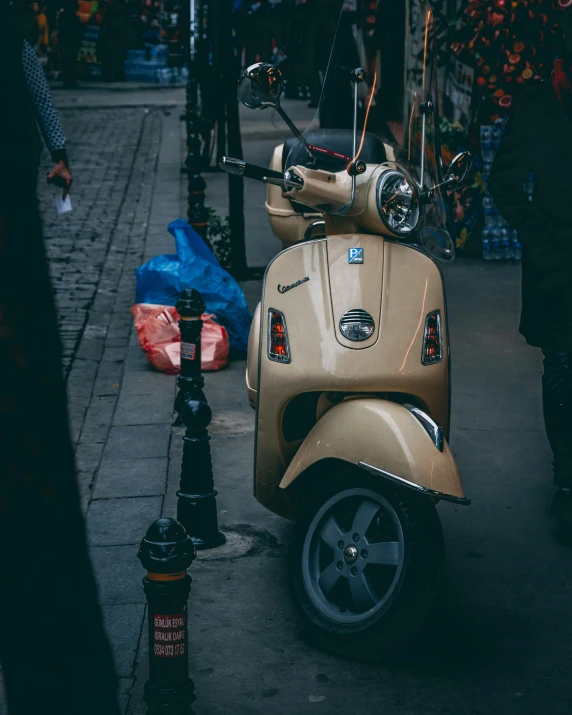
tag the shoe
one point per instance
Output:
(561, 509)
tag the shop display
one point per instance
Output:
(510, 45)
(499, 48)
(499, 242)
(151, 65)
(87, 54)
(467, 202)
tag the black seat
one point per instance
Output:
(332, 142)
(336, 147)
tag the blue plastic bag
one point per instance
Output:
(162, 279)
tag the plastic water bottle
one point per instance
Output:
(528, 186)
(489, 209)
(505, 247)
(495, 244)
(496, 136)
(487, 144)
(495, 219)
(486, 244)
(516, 250)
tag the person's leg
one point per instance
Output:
(557, 406)
(106, 58)
(69, 57)
(119, 65)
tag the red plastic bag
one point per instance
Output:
(159, 336)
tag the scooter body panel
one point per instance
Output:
(398, 285)
(384, 438)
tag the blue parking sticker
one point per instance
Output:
(355, 255)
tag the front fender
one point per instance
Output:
(385, 439)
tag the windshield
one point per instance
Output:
(396, 112)
(421, 145)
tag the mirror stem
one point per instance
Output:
(425, 108)
(294, 129)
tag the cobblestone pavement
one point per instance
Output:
(126, 163)
(113, 155)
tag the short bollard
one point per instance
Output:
(196, 505)
(167, 552)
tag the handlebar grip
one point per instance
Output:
(249, 171)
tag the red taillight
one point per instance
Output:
(278, 347)
(432, 339)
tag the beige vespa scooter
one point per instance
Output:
(348, 370)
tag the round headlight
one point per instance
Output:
(397, 202)
(357, 325)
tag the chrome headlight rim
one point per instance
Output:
(384, 179)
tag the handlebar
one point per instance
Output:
(249, 171)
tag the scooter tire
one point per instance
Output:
(381, 637)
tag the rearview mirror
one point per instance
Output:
(260, 86)
(458, 171)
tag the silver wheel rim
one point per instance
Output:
(352, 557)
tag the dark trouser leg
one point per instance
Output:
(105, 56)
(69, 65)
(119, 65)
(557, 405)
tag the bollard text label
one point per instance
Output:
(188, 351)
(169, 635)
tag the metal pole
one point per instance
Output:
(230, 74)
(197, 213)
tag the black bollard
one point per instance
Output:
(196, 505)
(166, 553)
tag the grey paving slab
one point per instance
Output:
(145, 382)
(118, 573)
(137, 441)
(145, 409)
(125, 691)
(3, 706)
(131, 477)
(121, 521)
(135, 358)
(123, 626)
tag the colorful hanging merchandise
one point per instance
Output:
(500, 48)
(509, 45)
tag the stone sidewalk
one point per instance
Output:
(123, 443)
(126, 159)
(126, 162)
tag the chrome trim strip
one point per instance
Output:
(411, 485)
(315, 226)
(429, 425)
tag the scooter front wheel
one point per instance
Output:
(364, 567)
